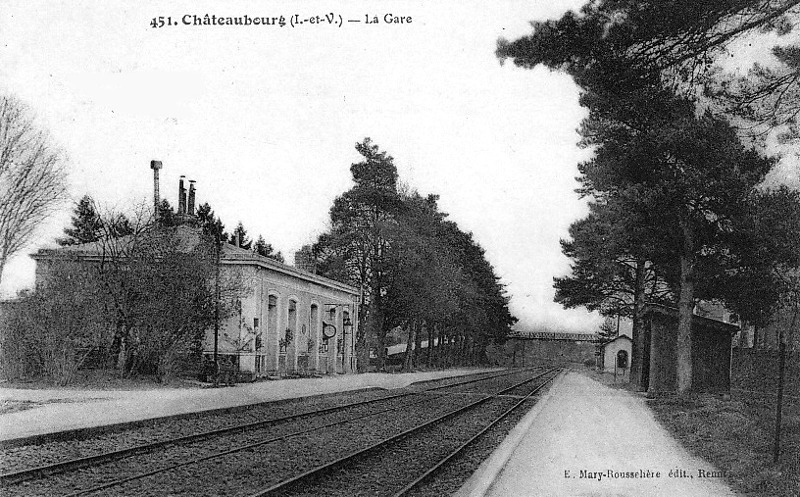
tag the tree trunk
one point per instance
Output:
(466, 348)
(362, 353)
(637, 352)
(122, 363)
(362, 340)
(418, 342)
(408, 361)
(683, 350)
(442, 354)
(376, 327)
(431, 349)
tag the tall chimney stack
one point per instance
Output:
(155, 165)
(190, 209)
(181, 197)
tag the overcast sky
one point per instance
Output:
(265, 118)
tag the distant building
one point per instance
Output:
(767, 337)
(615, 355)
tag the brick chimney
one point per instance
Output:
(190, 208)
(304, 260)
(181, 197)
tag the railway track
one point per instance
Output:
(16, 481)
(25, 472)
(414, 450)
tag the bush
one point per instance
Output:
(50, 333)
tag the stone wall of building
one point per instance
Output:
(711, 345)
(255, 336)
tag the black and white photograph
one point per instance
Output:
(405, 248)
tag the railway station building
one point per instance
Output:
(288, 321)
(285, 320)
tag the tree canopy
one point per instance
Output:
(88, 225)
(32, 177)
(668, 177)
(419, 272)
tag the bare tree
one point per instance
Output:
(32, 177)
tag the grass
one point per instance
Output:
(11, 406)
(736, 436)
(101, 380)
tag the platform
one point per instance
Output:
(586, 439)
(62, 409)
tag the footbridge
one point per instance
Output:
(555, 335)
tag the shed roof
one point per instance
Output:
(672, 313)
(626, 337)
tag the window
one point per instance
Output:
(291, 322)
(314, 318)
(622, 359)
(272, 316)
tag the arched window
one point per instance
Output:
(313, 323)
(622, 359)
(272, 316)
(291, 324)
(341, 344)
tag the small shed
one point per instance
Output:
(615, 355)
(711, 352)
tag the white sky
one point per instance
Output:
(266, 118)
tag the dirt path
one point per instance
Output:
(591, 440)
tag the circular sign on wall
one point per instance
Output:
(328, 330)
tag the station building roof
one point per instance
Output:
(186, 238)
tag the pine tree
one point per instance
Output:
(684, 171)
(166, 214)
(239, 236)
(209, 223)
(262, 248)
(85, 225)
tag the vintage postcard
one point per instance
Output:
(522, 248)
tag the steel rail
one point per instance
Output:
(282, 487)
(20, 476)
(269, 441)
(241, 448)
(435, 469)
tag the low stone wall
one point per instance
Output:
(757, 370)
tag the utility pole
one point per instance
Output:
(217, 244)
(776, 449)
